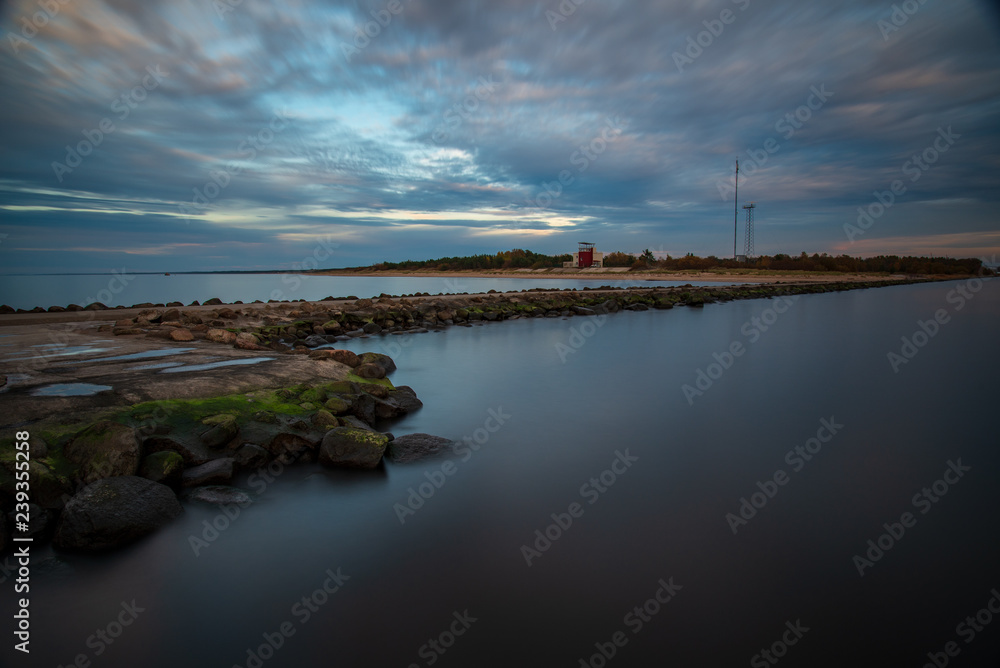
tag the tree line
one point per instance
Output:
(525, 259)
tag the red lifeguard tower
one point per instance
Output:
(585, 255)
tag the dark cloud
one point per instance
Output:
(447, 126)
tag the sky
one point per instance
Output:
(244, 134)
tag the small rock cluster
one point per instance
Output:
(117, 479)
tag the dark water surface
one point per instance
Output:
(568, 417)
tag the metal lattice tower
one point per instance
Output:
(748, 235)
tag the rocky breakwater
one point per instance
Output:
(298, 327)
(103, 482)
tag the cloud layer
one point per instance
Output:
(240, 133)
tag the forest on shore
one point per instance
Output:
(647, 261)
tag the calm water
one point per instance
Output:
(662, 517)
(126, 289)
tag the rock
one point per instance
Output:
(248, 341)
(215, 471)
(357, 423)
(405, 399)
(363, 303)
(214, 301)
(337, 405)
(411, 447)
(375, 389)
(383, 361)
(324, 419)
(103, 450)
(221, 336)
(193, 454)
(582, 310)
(288, 448)
(163, 467)
(181, 334)
(352, 448)
(609, 306)
(172, 314)
(266, 417)
(38, 448)
(221, 429)
(370, 371)
(315, 341)
(220, 495)
(371, 328)
(491, 315)
(113, 512)
(342, 356)
(250, 456)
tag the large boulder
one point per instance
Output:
(383, 361)
(113, 512)
(164, 467)
(193, 454)
(352, 448)
(221, 336)
(372, 371)
(104, 450)
(216, 471)
(404, 398)
(411, 447)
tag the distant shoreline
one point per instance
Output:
(623, 273)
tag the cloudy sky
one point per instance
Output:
(244, 134)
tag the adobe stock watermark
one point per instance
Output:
(635, 620)
(122, 106)
(796, 458)
(714, 28)
(38, 20)
(564, 10)
(928, 329)
(582, 158)
(914, 168)
(787, 125)
(753, 329)
(779, 648)
(435, 647)
(103, 638)
(302, 611)
(590, 490)
(923, 501)
(437, 476)
(461, 111)
(967, 630)
(247, 151)
(578, 336)
(364, 33)
(898, 18)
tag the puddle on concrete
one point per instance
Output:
(146, 354)
(70, 390)
(161, 365)
(73, 350)
(216, 365)
(14, 379)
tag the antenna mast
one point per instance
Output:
(736, 212)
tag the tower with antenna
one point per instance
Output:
(748, 251)
(736, 213)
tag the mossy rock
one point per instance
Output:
(221, 429)
(324, 419)
(315, 395)
(103, 450)
(350, 447)
(338, 405)
(164, 467)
